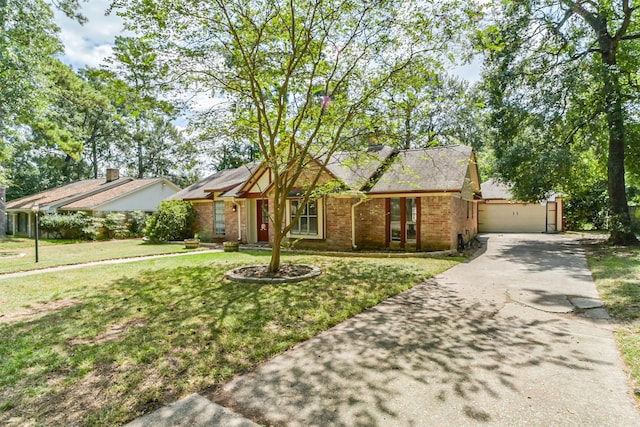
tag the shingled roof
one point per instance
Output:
(492, 189)
(356, 170)
(93, 194)
(381, 169)
(220, 181)
(60, 196)
(441, 168)
(95, 200)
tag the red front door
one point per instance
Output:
(262, 216)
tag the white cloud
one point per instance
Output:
(90, 43)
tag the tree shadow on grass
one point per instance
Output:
(149, 339)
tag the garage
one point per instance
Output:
(497, 213)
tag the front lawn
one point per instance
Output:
(106, 344)
(616, 271)
(19, 254)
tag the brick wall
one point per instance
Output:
(337, 217)
(204, 219)
(464, 220)
(230, 222)
(436, 222)
(370, 224)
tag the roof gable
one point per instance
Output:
(220, 181)
(96, 200)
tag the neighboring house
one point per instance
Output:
(416, 200)
(96, 197)
(499, 213)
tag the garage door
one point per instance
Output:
(511, 218)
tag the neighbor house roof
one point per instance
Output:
(65, 194)
(442, 168)
(97, 199)
(221, 181)
(88, 194)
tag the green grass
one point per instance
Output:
(139, 335)
(55, 253)
(616, 271)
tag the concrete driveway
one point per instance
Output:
(512, 337)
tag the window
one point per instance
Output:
(403, 217)
(396, 216)
(310, 222)
(411, 214)
(218, 219)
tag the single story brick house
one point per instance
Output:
(96, 197)
(384, 199)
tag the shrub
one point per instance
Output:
(114, 226)
(71, 226)
(137, 222)
(174, 220)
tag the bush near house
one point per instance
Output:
(71, 226)
(137, 221)
(174, 220)
(116, 225)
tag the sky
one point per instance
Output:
(89, 44)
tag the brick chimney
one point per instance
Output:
(113, 174)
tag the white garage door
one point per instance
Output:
(511, 218)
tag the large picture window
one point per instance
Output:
(219, 228)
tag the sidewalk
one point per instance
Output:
(92, 263)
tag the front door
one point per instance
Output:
(262, 216)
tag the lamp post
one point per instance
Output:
(36, 210)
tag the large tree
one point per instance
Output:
(421, 107)
(563, 84)
(154, 143)
(305, 69)
(29, 46)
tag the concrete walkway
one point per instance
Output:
(513, 337)
(102, 262)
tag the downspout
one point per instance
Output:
(239, 219)
(353, 223)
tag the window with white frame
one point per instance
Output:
(218, 218)
(309, 223)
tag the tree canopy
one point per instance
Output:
(562, 79)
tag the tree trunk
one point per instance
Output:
(94, 153)
(278, 215)
(3, 213)
(620, 223)
(274, 263)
